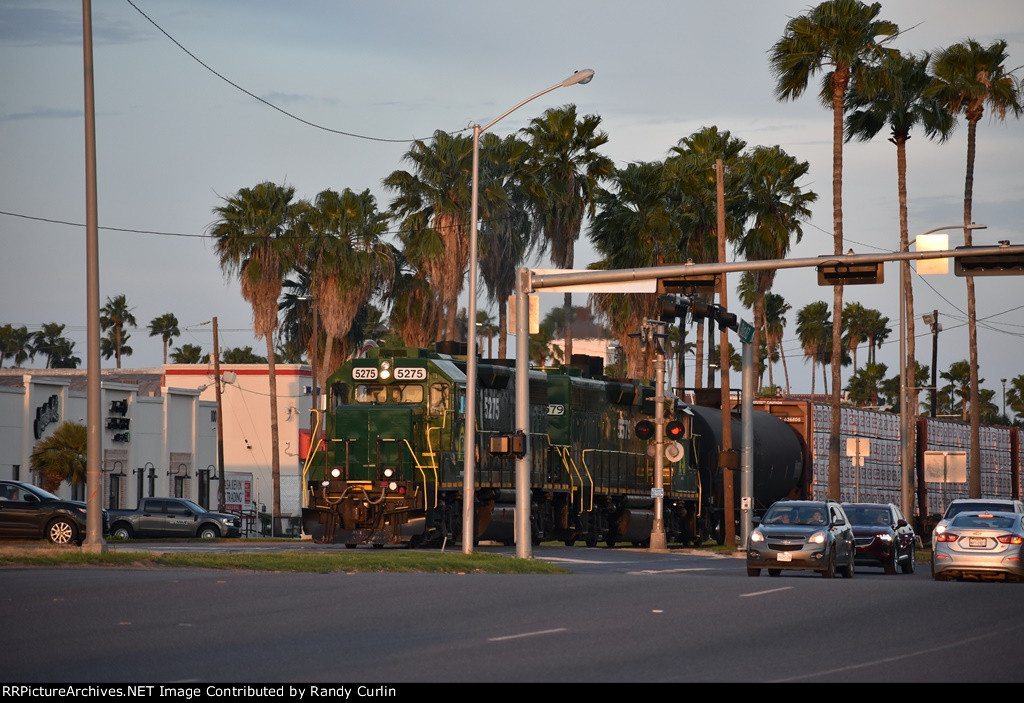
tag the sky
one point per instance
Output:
(343, 88)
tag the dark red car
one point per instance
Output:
(883, 536)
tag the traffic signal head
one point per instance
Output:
(674, 430)
(671, 309)
(726, 319)
(644, 429)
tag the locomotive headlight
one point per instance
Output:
(385, 373)
(393, 486)
(336, 472)
(756, 536)
(385, 369)
(389, 472)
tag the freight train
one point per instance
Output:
(388, 468)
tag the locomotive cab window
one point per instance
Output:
(339, 395)
(371, 394)
(438, 398)
(406, 393)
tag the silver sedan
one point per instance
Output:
(980, 545)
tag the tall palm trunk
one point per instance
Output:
(840, 79)
(275, 457)
(974, 472)
(785, 369)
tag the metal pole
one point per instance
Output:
(658, 540)
(747, 460)
(524, 547)
(469, 447)
(221, 501)
(906, 458)
(935, 358)
(94, 541)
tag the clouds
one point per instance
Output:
(173, 137)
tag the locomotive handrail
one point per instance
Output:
(312, 454)
(420, 469)
(584, 453)
(570, 465)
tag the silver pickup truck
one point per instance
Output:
(172, 517)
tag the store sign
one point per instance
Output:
(237, 491)
(46, 414)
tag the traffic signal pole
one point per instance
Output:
(658, 541)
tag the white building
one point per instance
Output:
(160, 431)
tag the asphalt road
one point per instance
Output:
(621, 616)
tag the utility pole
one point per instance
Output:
(220, 421)
(725, 460)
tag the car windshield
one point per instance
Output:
(795, 515)
(868, 516)
(995, 522)
(957, 508)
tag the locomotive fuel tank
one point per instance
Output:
(778, 455)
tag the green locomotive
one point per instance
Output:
(390, 469)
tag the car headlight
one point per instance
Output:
(885, 537)
(817, 538)
(756, 536)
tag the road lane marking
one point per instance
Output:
(764, 593)
(527, 634)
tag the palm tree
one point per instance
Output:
(777, 205)
(775, 309)
(485, 327)
(110, 346)
(166, 327)
(253, 242)
(1015, 395)
(967, 76)
(896, 93)
(241, 355)
(839, 37)
(49, 340)
(876, 327)
(565, 170)
(813, 328)
(855, 324)
(633, 228)
(864, 384)
(690, 175)
(959, 376)
(434, 203)
(60, 457)
(507, 232)
(115, 317)
(187, 354)
(16, 344)
(346, 257)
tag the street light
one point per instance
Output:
(906, 444)
(469, 464)
(933, 322)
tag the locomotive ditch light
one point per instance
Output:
(336, 472)
(644, 429)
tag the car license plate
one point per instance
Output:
(978, 541)
(784, 556)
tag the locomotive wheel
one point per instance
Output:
(571, 542)
(591, 540)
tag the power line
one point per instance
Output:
(258, 98)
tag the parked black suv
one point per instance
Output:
(29, 511)
(802, 534)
